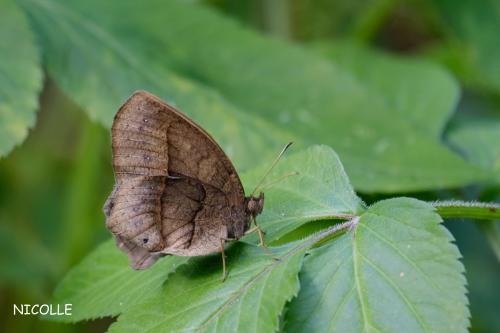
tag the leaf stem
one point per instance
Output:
(322, 236)
(482, 211)
(468, 209)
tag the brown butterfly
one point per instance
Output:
(176, 191)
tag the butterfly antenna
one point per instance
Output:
(281, 178)
(276, 160)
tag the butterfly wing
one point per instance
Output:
(176, 191)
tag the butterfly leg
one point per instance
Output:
(261, 236)
(224, 273)
(260, 232)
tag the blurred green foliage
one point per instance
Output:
(421, 113)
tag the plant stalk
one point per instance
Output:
(468, 209)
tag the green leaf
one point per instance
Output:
(485, 214)
(419, 90)
(103, 284)
(20, 77)
(325, 19)
(415, 266)
(99, 70)
(264, 89)
(20, 268)
(474, 26)
(194, 299)
(321, 102)
(478, 141)
(397, 272)
(320, 190)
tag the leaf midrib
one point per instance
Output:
(398, 290)
(402, 255)
(293, 251)
(237, 293)
(363, 306)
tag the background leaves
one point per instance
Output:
(418, 90)
(74, 54)
(302, 91)
(20, 77)
(478, 141)
(473, 26)
(281, 90)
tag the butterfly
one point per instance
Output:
(176, 192)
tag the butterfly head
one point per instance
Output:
(255, 205)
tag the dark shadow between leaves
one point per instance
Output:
(199, 267)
